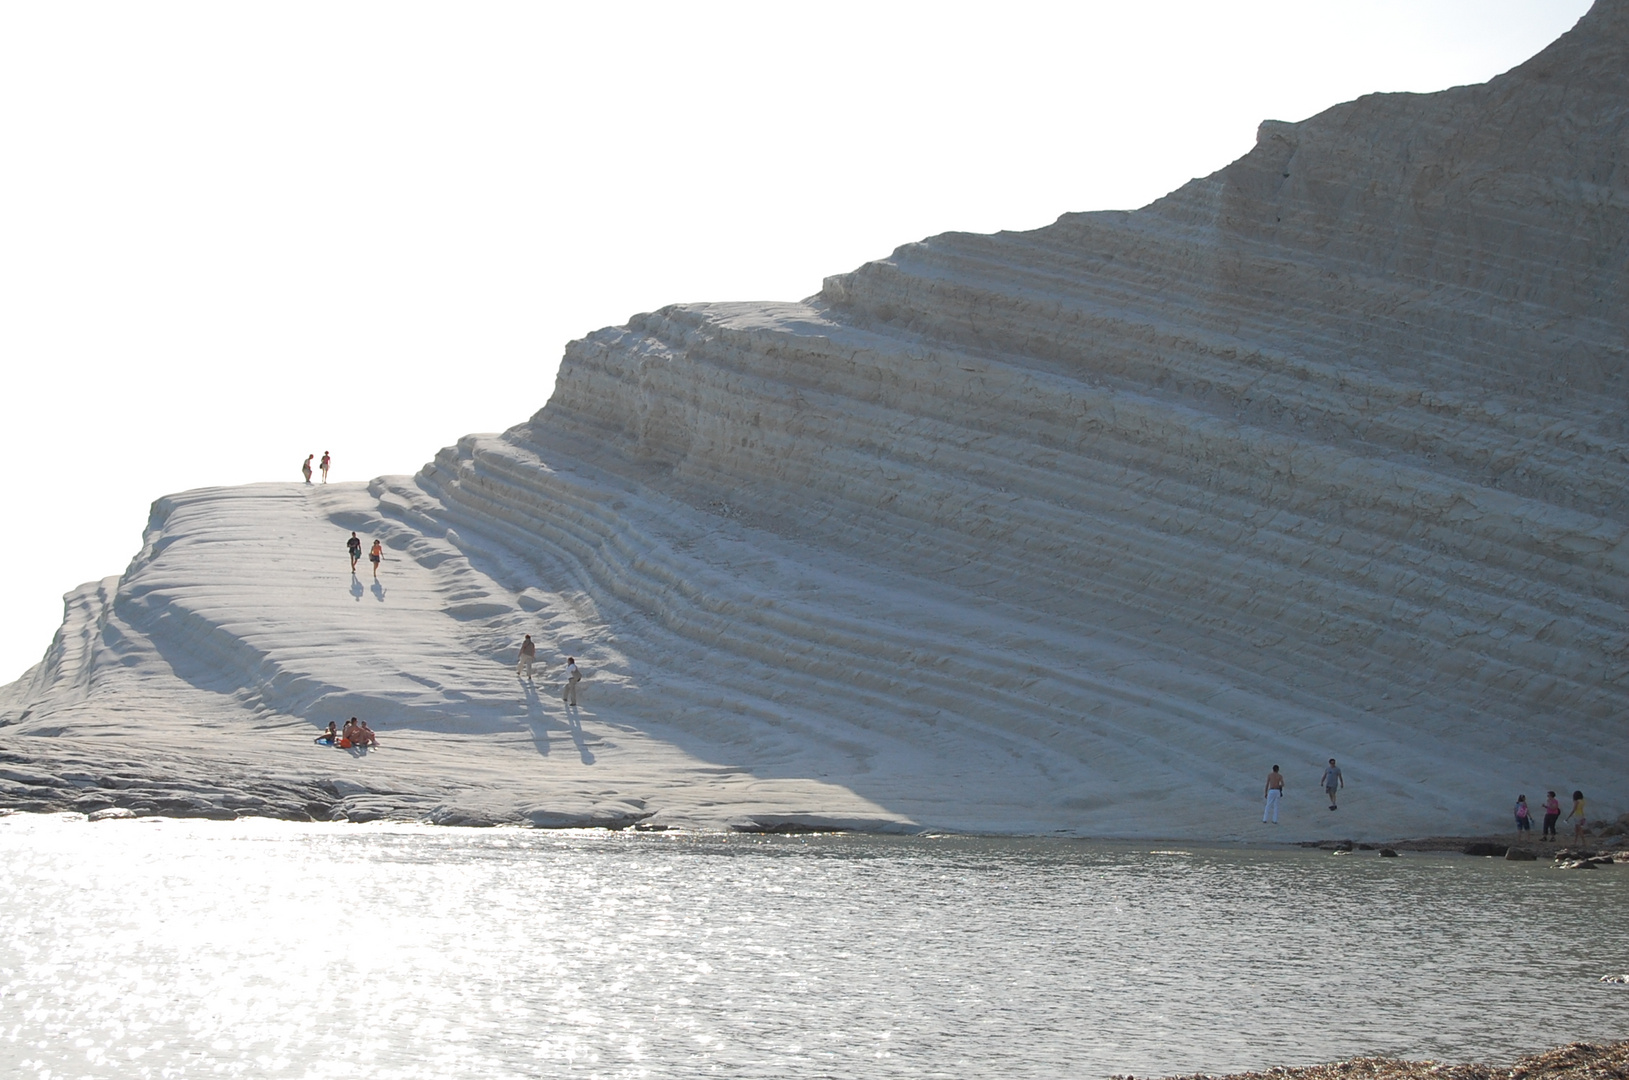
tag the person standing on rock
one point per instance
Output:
(1275, 791)
(1552, 813)
(528, 653)
(324, 466)
(376, 553)
(1578, 812)
(306, 468)
(1524, 819)
(354, 546)
(1331, 781)
(573, 677)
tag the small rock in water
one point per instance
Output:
(1516, 854)
(1388, 853)
(1486, 849)
(1615, 979)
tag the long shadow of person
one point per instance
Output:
(378, 592)
(356, 588)
(536, 720)
(576, 727)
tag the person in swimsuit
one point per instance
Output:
(1578, 812)
(324, 466)
(528, 655)
(376, 553)
(331, 736)
(1552, 812)
(364, 736)
(306, 468)
(354, 546)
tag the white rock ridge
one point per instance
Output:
(1076, 530)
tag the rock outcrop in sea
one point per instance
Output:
(1078, 530)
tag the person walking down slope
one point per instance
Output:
(1275, 791)
(376, 553)
(324, 466)
(1552, 814)
(1578, 812)
(354, 546)
(1331, 781)
(528, 653)
(1524, 819)
(306, 468)
(573, 677)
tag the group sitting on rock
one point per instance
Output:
(356, 733)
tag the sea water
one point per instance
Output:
(161, 948)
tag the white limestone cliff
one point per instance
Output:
(1072, 530)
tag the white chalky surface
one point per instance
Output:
(1077, 530)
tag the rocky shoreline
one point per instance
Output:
(122, 789)
(1575, 1061)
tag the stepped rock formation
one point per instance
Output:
(1072, 530)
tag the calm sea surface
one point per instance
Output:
(266, 949)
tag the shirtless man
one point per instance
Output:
(1275, 791)
(354, 546)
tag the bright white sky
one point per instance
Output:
(235, 234)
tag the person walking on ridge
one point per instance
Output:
(1275, 791)
(1578, 811)
(573, 677)
(1524, 818)
(354, 546)
(1552, 813)
(376, 553)
(306, 468)
(528, 653)
(1331, 781)
(324, 465)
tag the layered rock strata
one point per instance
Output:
(1077, 529)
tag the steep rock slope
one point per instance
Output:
(1076, 529)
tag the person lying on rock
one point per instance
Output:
(331, 736)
